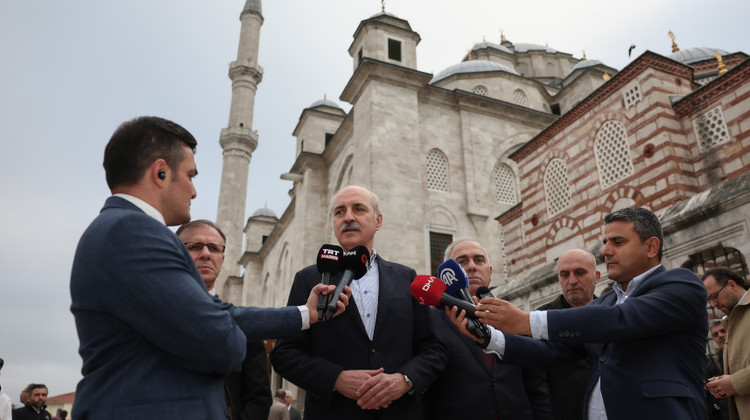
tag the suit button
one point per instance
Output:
(561, 334)
(578, 333)
(567, 333)
(372, 351)
(602, 358)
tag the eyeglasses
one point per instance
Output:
(198, 247)
(713, 296)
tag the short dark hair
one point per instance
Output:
(32, 387)
(137, 143)
(280, 393)
(645, 224)
(722, 275)
(198, 222)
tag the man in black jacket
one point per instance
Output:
(35, 407)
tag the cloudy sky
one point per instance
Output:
(71, 71)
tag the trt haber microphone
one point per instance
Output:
(355, 264)
(455, 279)
(329, 264)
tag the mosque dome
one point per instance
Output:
(522, 48)
(693, 55)
(473, 66)
(324, 102)
(483, 45)
(252, 6)
(264, 211)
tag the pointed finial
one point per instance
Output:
(265, 205)
(484, 38)
(325, 97)
(606, 76)
(584, 55)
(502, 36)
(382, 5)
(469, 56)
(675, 48)
(722, 67)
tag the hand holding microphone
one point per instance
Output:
(355, 264)
(455, 279)
(329, 264)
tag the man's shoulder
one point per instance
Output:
(390, 265)
(558, 303)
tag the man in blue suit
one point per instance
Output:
(154, 344)
(646, 336)
(376, 359)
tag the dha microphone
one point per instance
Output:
(355, 264)
(329, 264)
(484, 292)
(455, 279)
(429, 290)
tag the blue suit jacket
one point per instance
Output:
(403, 341)
(468, 389)
(154, 344)
(648, 351)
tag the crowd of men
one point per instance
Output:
(157, 342)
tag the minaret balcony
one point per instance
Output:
(245, 69)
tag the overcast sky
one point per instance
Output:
(72, 71)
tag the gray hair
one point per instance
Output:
(374, 200)
(453, 244)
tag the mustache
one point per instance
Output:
(350, 225)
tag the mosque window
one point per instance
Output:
(711, 128)
(519, 98)
(612, 153)
(550, 67)
(556, 187)
(631, 95)
(480, 90)
(437, 171)
(522, 69)
(505, 184)
(329, 137)
(438, 243)
(394, 49)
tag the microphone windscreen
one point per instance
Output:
(453, 276)
(329, 259)
(357, 261)
(428, 290)
(483, 292)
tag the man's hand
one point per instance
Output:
(458, 318)
(720, 386)
(349, 381)
(380, 390)
(504, 316)
(322, 289)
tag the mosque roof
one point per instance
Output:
(522, 48)
(483, 45)
(693, 55)
(324, 102)
(473, 66)
(264, 211)
(252, 6)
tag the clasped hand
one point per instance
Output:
(373, 389)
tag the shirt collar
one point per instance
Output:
(147, 208)
(637, 280)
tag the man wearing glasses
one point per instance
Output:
(727, 292)
(249, 390)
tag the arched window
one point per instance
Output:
(437, 171)
(519, 98)
(612, 153)
(556, 187)
(480, 90)
(505, 184)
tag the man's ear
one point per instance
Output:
(158, 172)
(652, 247)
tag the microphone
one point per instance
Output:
(455, 279)
(329, 264)
(484, 292)
(429, 290)
(355, 264)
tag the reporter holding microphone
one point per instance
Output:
(377, 358)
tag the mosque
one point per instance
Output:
(521, 146)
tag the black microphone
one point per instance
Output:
(355, 264)
(329, 264)
(484, 292)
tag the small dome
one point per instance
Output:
(473, 66)
(693, 55)
(483, 45)
(585, 63)
(265, 211)
(522, 48)
(324, 102)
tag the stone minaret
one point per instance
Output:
(239, 140)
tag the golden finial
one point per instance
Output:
(502, 36)
(325, 97)
(722, 67)
(606, 76)
(382, 5)
(584, 55)
(484, 38)
(675, 48)
(469, 56)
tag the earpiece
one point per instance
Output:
(162, 175)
